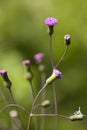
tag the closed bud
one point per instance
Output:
(45, 103)
(67, 39)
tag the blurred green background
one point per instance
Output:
(23, 33)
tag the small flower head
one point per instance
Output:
(67, 38)
(51, 21)
(26, 62)
(3, 72)
(4, 75)
(38, 57)
(55, 74)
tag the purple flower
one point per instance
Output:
(26, 62)
(3, 72)
(4, 75)
(57, 73)
(67, 38)
(51, 21)
(38, 57)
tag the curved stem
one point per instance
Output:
(11, 94)
(32, 90)
(30, 117)
(61, 59)
(14, 105)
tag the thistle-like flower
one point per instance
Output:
(51, 22)
(55, 74)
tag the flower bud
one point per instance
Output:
(28, 76)
(45, 103)
(67, 38)
(4, 75)
(38, 57)
(56, 74)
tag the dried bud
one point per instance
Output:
(77, 116)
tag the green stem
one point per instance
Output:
(43, 97)
(11, 94)
(30, 117)
(14, 105)
(51, 52)
(50, 115)
(32, 90)
(61, 59)
(54, 87)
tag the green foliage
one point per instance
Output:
(23, 33)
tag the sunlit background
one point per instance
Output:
(23, 33)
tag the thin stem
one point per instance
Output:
(55, 104)
(14, 105)
(61, 59)
(3, 95)
(32, 90)
(11, 94)
(50, 115)
(30, 117)
(54, 87)
(51, 52)
(43, 97)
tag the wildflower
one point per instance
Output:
(28, 73)
(3, 72)
(51, 22)
(38, 57)
(67, 38)
(4, 75)
(26, 62)
(56, 74)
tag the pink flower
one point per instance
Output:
(26, 62)
(51, 21)
(3, 72)
(57, 73)
(38, 57)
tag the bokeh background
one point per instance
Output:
(23, 34)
